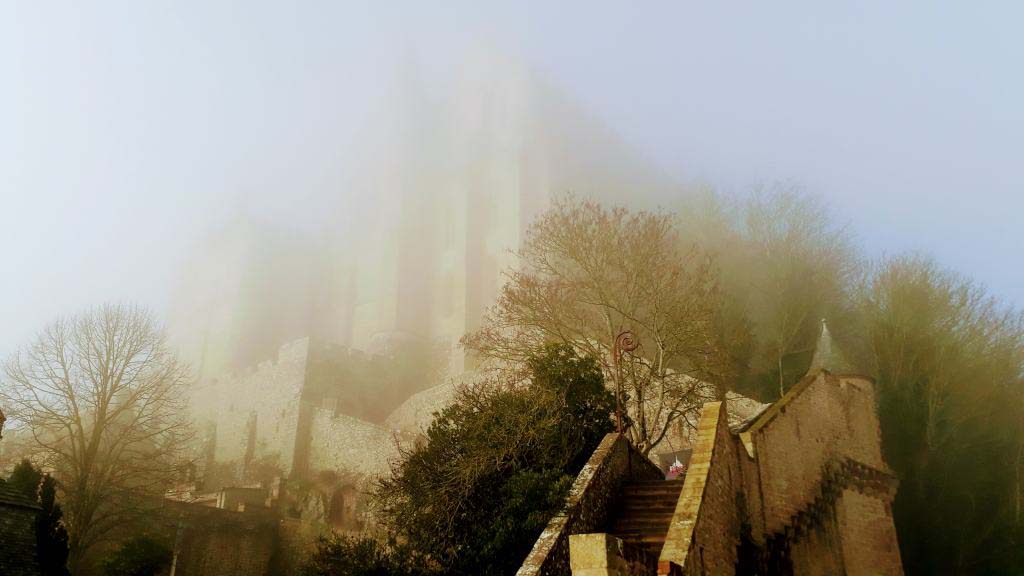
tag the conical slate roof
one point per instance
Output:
(827, 356)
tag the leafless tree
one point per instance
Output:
(104, 400)
(802, 262)
(587, 273)
(948, 359)
(785, 265)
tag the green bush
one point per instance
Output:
(496, 465)
(141, 556)
(337, 555)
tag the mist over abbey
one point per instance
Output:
(329, 289)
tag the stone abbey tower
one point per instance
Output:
(351, 332)
(445, 194)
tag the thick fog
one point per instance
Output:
(212, 159)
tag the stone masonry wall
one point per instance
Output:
(869, 545)
(296, 542)
(342, 443)
(818, 553)
(266, 398)
(215, 542)
(829, 418)
(804, 490)
(17, 533)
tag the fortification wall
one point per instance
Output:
(345, 444)
(830, 418)
(257, 412)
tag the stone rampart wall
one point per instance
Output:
(345, 444)
(215, 542)
(267, 397)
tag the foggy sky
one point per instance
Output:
(130, 131)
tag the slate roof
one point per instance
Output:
(828, 357)
(17, 533)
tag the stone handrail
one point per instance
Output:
(588, 504)
(687, 513)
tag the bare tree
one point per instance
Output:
(785, 265)
(588, 273)
(104, 400)
(798, 266)
(948, 359)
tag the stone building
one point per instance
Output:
(800, 489)
(17, 533)
(417, 242)
(17, 529)
(319, 350)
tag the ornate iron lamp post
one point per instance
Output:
(624, 342)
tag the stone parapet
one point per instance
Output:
(589, 503)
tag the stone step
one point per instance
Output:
(623, 496)
(653, 498)
(673, 496)
(654, 531)
(630, 496)
(660, 488)
(641, 537)
(644, 513)
(649, 522)
(652, 521)
(647, 506)
(673, 482)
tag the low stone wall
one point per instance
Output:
(588, 505)
(605, 555)
(256, 412)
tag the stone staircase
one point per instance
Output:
(644, 513)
